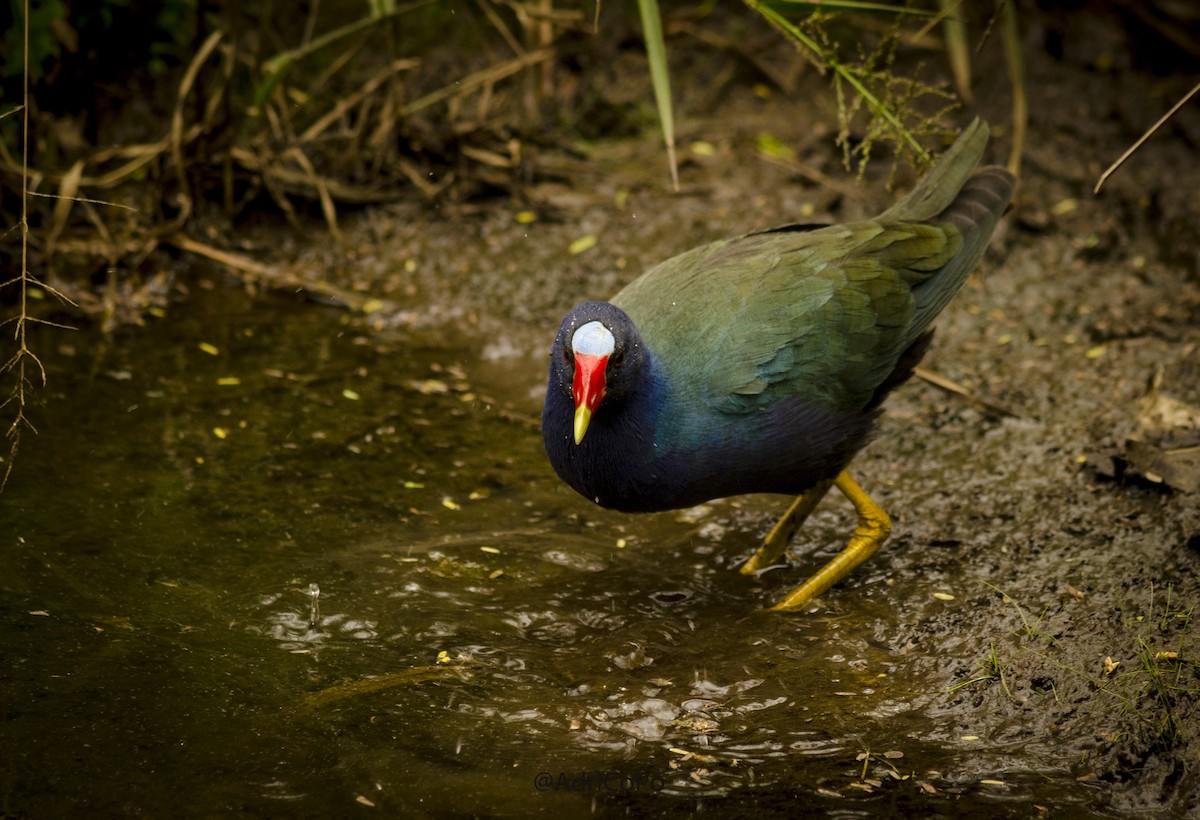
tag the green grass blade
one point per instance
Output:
(656, 53)
(1016, 73)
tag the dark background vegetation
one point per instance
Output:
(165, 128)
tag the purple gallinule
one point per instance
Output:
(758, 364)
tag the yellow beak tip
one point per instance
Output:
(583, 417)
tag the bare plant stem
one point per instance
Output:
(19, 363)
(16, 364)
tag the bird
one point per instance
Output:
(759, 364)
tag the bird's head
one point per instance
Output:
(597, 356)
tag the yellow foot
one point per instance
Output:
(873, 528)
(781, 534)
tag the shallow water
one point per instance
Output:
(311, 568)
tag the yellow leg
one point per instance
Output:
(873, 528)
(781, 534)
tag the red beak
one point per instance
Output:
(587, 389)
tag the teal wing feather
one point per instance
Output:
(822, 315)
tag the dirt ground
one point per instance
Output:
(1042, 501)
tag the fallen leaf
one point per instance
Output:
(771, 146)
(583, 243)
(429, 387)
(1157, 439)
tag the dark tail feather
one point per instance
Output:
(975, 212)
(981, 202)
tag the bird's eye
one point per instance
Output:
(618, 359)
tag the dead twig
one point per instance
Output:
(176, 137)
(479, 78)
(274, 276)
(365, 90)
(952, 386)
(1142, 139)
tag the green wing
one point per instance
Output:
(820, 314)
